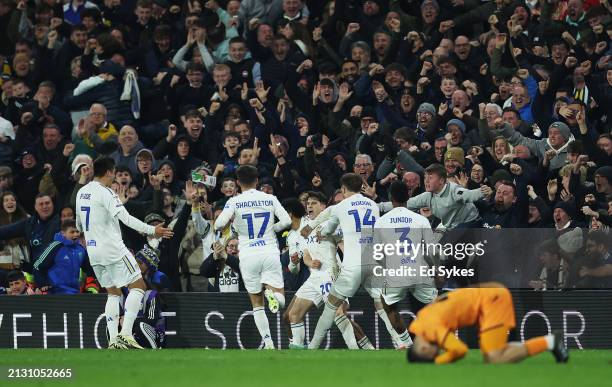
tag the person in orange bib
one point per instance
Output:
(489, 305)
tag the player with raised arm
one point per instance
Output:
(253, 213)
(404, 225)
(354, 214)
(320, 257)
(99, 211)
(376, 293)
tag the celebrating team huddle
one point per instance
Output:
(335, 243)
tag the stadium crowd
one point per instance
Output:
(495, 114)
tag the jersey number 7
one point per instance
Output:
(86, 210)
(368, 219)
(264, 224)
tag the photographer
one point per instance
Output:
(198, 241)
(223, 266)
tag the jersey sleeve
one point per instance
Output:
(135, 224)
(419, 201)
(332, 222)
(284, 220)
(112, 203)
(454, 349)
(322, 217)
(226, 215)
(291, 244)
(462, 195)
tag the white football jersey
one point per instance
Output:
(254, 212)
(98, 212)
(402, 224)
(295, 241)
(355, 215)
(324, 251)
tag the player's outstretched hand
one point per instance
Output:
(161, 231)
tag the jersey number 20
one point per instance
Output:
(264, 224)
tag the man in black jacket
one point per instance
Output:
(69, 50)
(38, 230)
(168, 259)
(224, 266)
(510, 207)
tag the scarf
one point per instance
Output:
(131, 92)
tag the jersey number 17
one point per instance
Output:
(264, 224)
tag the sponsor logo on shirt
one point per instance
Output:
(257, 243)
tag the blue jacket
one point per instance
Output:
(60, 266)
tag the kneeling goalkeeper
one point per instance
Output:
(490, 307)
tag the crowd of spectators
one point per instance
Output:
(496, 114)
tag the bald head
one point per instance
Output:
(128, 138)
(460, 99)
(412, 181)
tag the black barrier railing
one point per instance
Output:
(217, 320)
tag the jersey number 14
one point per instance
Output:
(368, 219)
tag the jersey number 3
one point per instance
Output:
(264, 224)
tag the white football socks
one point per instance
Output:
(261, 321)
(111, 312)
(325, 322)
(550, 341)
(383, 315)
(404, 339)
(298, 331)
(133, 303)
(346, 328)
(365, 343)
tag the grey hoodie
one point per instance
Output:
(537, 147)
(453, 205)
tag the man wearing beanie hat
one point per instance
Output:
(571, 242)
(500, 175)
(454, 159)
(457, 136)
(551, 151)
(603, 180)
(148, 261)
(564, 216)
(150, 327)
(426, 119)
(427, 107)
